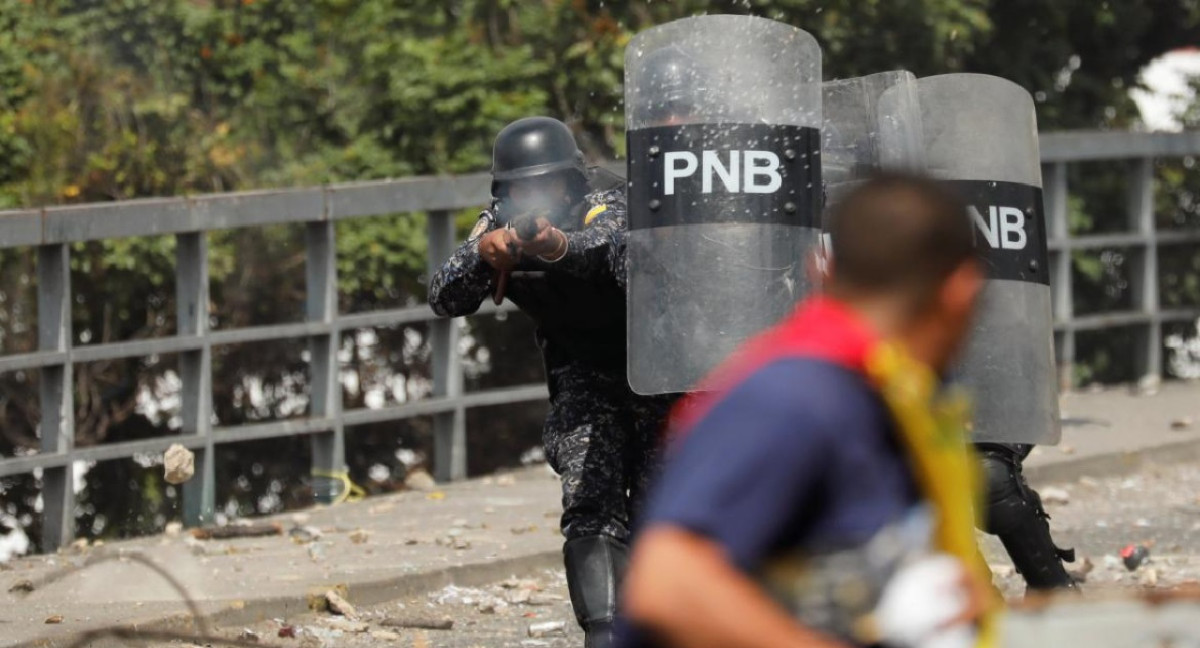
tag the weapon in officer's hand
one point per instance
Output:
(526, 227)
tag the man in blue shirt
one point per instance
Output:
(792, 500)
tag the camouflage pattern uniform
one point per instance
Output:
(599, 436)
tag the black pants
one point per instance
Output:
(1014, 513)
(603, 440)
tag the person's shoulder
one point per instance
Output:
(803, 390)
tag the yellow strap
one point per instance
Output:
(351, 492)
(933, 432)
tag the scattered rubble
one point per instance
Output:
(304, 534)
(232, 531)
(54, 619)
(339, 605)
(1058, 496)
(418, 622)
(344, 624)
(1149, 578)
(287, 632)
(1184, 423)
(547, 629)
(1080, 573)
(179, 464)
(249, 635)
(23, 586)
(359, 536)
(1133, 556)
(420, 480)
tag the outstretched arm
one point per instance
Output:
(465, 279)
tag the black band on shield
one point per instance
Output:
(1010, 228)
(692, 174)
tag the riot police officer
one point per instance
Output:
(567, 272)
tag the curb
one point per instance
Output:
(1114, 464)
(361, 594)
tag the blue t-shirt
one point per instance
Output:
(800, 456)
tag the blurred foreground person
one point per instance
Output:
(553, 242)
(819, 491)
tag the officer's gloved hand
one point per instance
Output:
(500, 249)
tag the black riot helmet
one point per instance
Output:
(678, 83)
(532, 147)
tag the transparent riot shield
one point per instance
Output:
(981, 138)
(723, 116)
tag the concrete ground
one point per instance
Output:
(486, 555)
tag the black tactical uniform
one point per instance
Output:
(599, 436)
(1014, 514)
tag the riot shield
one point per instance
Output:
(722, 117)
(871, 123)
(981, 138)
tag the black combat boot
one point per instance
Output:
(1016, 516)
(595, 565)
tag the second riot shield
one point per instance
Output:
(871, 123)
(723, 116)
(981, 138)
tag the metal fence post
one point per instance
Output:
(57, 395)
(449, 428)
(1060, 271)
(328, 448)
(1143, 277)
(195, 372)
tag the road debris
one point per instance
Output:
(54, 619)
(547, 629)
(179, 464)
(518, 596)
(249, 635)
(232, 531)
(1080, 573)
(344, 624)
(339, 605)
(1183, 423)
(1149, 578)
(23, 586)
(385, 635)
(1133, 556)
(418, 623)
(359, 536)
(287, 632)
(304, 534)
(420, 480)
(1052, 495)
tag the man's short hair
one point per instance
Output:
(898, 233)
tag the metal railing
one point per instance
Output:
(1139, 150)
(53, 229)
